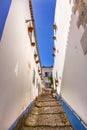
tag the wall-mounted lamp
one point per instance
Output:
(26, 21)
(30, 28)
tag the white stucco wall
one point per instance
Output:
(63, 13)
(74, 84)
(70, 61)
(49, 71)
(16, 65)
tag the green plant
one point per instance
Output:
(51, 80)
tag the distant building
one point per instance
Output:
(47, 73)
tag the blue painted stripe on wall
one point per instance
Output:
(74, 119)
(25, 111)
(4, 9)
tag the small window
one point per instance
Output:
(33, 76)
(46, 74)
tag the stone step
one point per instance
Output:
(47, 110)
(51, 120)
(47, 128)
(47, 104)
(45, 99)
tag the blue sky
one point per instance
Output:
(4, 9)
(43, 11)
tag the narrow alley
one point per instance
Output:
(43, 64)
(45, 114)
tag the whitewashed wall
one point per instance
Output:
(62, 20)
(74, 84)
(16, 65)
(70, 61)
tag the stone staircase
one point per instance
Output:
(45, 114)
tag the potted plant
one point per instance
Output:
(33, 44)
(53, 55)
(56, 81)
(35, 55)
(54, 26)
(30, 29)
(38, 70)
(37, 61)
(54, 37)
(54, 48)
(51, 80)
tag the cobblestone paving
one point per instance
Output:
(47, 114)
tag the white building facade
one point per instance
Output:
(20, 67)
(47, 73)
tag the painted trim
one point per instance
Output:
(25, 111)
(76, 122)
(58, 97)
(4, 9)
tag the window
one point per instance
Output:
(33, 76)
(46, 74)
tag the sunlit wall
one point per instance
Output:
(18, 82)
(62, 21)
(71, 55)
